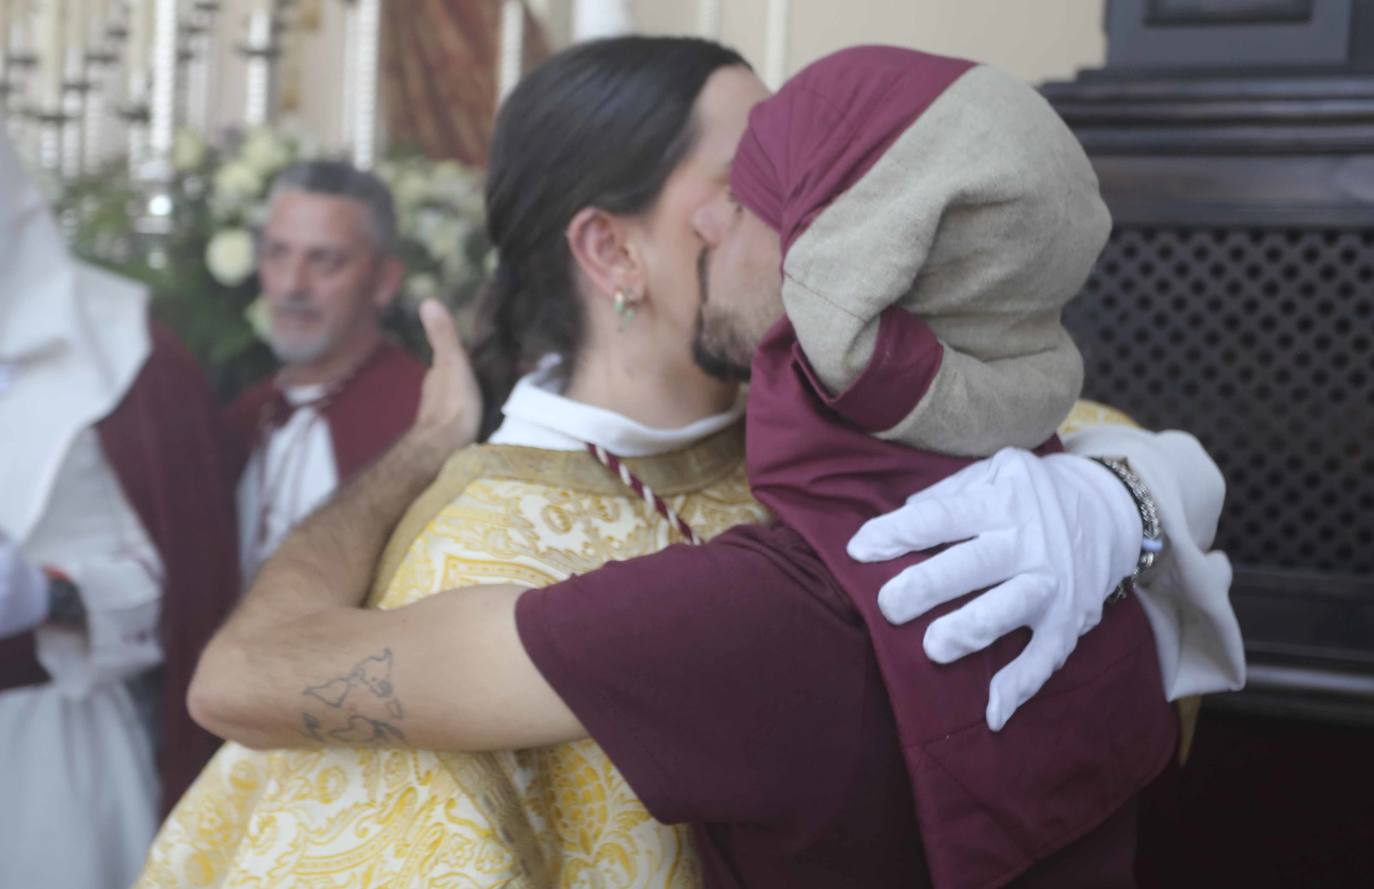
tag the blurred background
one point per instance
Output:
(157, 125)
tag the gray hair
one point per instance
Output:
(341, 179)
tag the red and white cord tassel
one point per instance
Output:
(632, 481)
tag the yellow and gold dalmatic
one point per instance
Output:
(557, 816)
(554, 817)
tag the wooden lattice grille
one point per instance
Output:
(1260, 342)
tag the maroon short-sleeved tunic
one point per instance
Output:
(741, 687)
(735, 688)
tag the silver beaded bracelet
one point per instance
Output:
(1152, 543)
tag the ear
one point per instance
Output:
(390, 275)
(602, 246)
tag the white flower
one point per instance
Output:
(460, 187)
(458, 266)
(188, 151)
(427, 227)
(387, 171)
(422, 287)
(229, 256)
(236, 183)
(410, 190)
(300, 140)
(256, 316)
(452, 182)
(447, 239)
(255, 216)
(264, 152)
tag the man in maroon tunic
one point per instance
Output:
(748, 685)
(328, 268)
(881, 176)
(116, 499)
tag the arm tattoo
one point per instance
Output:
(358, 707)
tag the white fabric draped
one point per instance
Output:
(285, 480)
(78, 779)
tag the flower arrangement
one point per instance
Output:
(203, 273)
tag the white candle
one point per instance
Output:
(200, 73)
(75, 22)
(708, 14)
(775, 54)
(512, 47)
(54, 57)
(4, 34)
(349, 82)
(136, 78)
(258, 84)
(600, 18)
(364, 116)
(140, 39)
(162, 102)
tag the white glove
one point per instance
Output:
(1052, 537)
(23, 591)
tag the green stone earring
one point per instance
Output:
(624, 308)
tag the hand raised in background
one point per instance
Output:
(450, 399)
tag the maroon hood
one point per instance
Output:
(826, 127)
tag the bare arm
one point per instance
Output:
(447, 672)
(302, 663)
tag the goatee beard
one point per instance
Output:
(714, 363)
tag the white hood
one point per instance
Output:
(72, 339)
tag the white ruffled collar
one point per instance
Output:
(538, 415)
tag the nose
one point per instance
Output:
(708, 219)
(290, 275)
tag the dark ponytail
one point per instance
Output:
(496, 351)
(602, 124)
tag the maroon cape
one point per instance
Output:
(991, 806)
(162, 441)
(368, 413)
(1063, 774)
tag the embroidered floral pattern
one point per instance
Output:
(561, 816)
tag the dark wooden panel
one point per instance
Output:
(1231, 34)
(1235, 299)
(1227, 12)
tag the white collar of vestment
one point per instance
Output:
(539, 415)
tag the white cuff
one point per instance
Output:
(1187, 594)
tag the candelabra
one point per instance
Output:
(85, 81)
